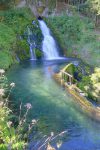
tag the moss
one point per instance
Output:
(38, 53)
(70, 68)
(22, 49)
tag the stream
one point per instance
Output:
(54, 108)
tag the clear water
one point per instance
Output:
(49, 47)
(53, 106)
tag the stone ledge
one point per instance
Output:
(87, 107)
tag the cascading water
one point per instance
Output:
(49, 47)
(32, 53)
(32, 46)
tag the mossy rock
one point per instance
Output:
(70, 68)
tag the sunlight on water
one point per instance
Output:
(53, 106)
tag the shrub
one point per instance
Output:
(91, 85)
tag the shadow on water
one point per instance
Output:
(54, 108)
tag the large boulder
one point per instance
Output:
(70, 68)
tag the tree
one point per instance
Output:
(7, 3)
(95, 6)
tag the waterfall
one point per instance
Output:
(49, 47)
(32, 45)
(32, 52)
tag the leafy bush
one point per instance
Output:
(91, 85)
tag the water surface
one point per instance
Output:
(52, 105)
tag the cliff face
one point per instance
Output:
(44, 8)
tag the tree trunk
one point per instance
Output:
(46, 3)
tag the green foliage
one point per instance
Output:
(7, 37)
(17, 18)
(95, 79)
(5, 59)
(35, 35)
(70, 29)
(91, 85)
(95, 6)
(84, 82)
(38, 53)
(22, 49)
(13, 24)
(11, 137)
(6, 2)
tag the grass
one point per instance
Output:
(5, 59)
(13, 24)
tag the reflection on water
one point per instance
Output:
(54, 107)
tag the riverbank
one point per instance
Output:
(86, 106)
(66, 80)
